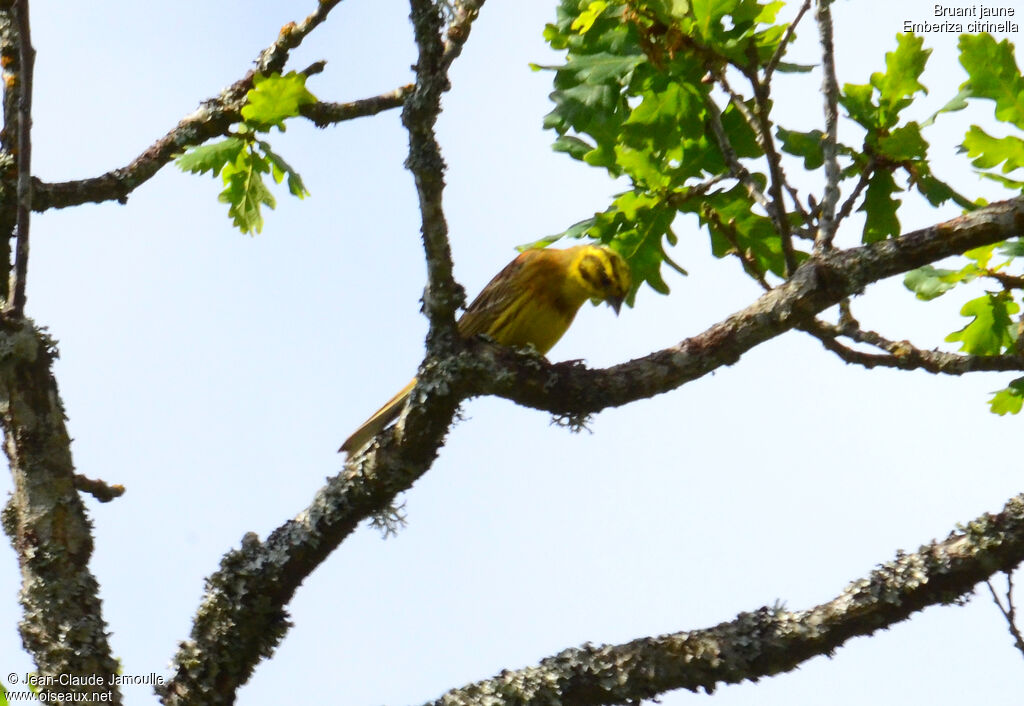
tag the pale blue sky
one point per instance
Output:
(215, 375)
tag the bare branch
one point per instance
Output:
(773, 63)
(904, 355)
(735, 166)
(99, 489)
(847, 207)
(767, 641)
(458, 30)
(760, 124)
(273, 58)
(827, 223)
(1009, 611)
(323, 114)
(26, 60)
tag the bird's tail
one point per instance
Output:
(377, 421)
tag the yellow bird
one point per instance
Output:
(531, 302)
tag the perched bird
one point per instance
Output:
(530, 302)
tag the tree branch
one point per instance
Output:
(819, 283)
(323, 114)
(63, 627)
(212, 119)
(273, 58)
(23, 89)
(242, 617)
(1009, 611)
(827, 222)
(767, 641)
(903, 355)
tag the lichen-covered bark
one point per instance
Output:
(62, 627)
(767, 641)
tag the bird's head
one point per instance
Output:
(602, 273)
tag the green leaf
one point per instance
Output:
(993, 75)
(992, 329)
(939, 192)
(211, 157)
(1012, 184)
(804, 144)
(903, 68)
(245, 191)
(957, 102)
(709, 14)
(275, 98)
(981, 255)
(599, 68)
(786, 67)
(735, 227)
(573, 146)
(1008, 400)
(1013, 248)
(586, 19)
(668, 10)
(880, 206)
(857, 99)
(281, 168)
(930, 282)
(903, 144)
(989, 151)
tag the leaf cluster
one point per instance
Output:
(243, 158)
(993, 75)
(650, 92)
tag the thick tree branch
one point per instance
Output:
(767, 641)
(243, 617)
(818, 284)
(63, 627)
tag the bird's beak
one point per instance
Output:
(615, 303)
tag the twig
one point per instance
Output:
(827, 223)
(323, 114)
(458, 30)
(1009, 612)
(99, 489)
(1008, 281)
(847, 207)
(773, 63)
(26, 59)
(273, 58)
(419, 115)
(729, 232)
(904, 355)
(763, 130)
(735, 166)
(804, 215)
